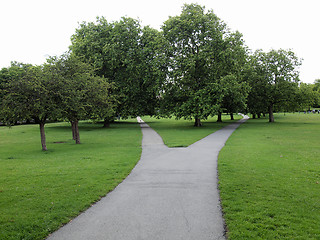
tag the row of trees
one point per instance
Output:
(63, 88)
(195, 67)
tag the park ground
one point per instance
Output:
(269, 174)
(270, 179)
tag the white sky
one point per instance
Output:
(32, 30)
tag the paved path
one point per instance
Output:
(171, 194)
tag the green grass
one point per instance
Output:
(269, 173)
(270, 179)
(39, 191)
(182, 133)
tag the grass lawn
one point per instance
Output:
(269, 173)
(39, 191)
(182, 133)
(270, 179)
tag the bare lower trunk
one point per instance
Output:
(219, 117)
(73, 130)
(106, 123)
(253, 116)
(271, 117)
(231, 116)
(77, 135)
(197, 122)
(43, 136)
(259, 115)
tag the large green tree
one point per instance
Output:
(278, 77)
(254, 75)
(235, 93)
(234, 86)
(11, 74)
(127, 55)
(199, 56)
(80, 94)
(307, 97)
(27, 94)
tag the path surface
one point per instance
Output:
(171, 194)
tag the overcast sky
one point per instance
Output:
(32, 30)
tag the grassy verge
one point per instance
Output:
(182, 133)
(39, 191)
(270, 179)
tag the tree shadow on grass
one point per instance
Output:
(92, 126)
(265, 121)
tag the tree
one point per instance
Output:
(278, 77)
(316, 85)
(234, 87)
(235, 94)
(4, 79)
(307, 97)
(198, 57)
(80, 94)
(28, 94)
(11, 74)
(254, 75)
(125, 54)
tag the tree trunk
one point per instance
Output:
(219, 117)
(231, 116)
(197, 122)
(106, 123)
(259, 115)
(77, 135)
(43, 136)
(253, 116)
(270, 108)
(73, 130)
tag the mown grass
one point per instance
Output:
(40, 191)
(269, 174)
(270, 179)
(182, 133)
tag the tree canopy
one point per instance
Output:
(274, 80)
(126, 54)
(201, 52)
(195, 67)
(79, 93)
(28, 95)
(64, 87)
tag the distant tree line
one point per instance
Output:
(195, 67)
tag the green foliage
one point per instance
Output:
(64, 87)
(316, 85)
(127, 55)
(201, 51)
(79, 94)
(235, 94)
(269, 179)
(257, 95)
(194, 68)
(273, 78)
(41, 191)
(26, 94)
(8, 75)
(307, 97)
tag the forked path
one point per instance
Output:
(171, 194)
